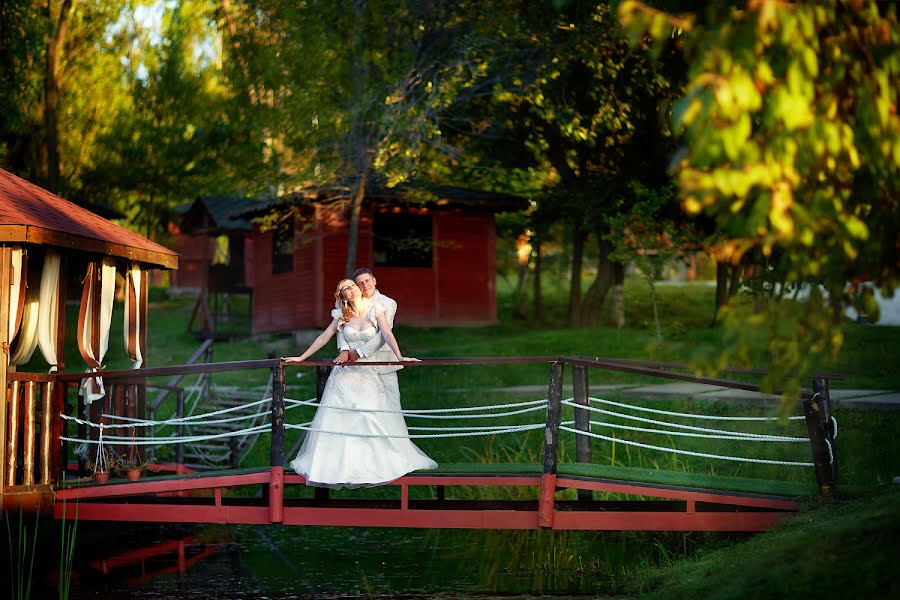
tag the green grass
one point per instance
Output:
(845, 549)
(827, 551)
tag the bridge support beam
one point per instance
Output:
(820, 425)
(276, 468)
(582, 422)
(551, 444)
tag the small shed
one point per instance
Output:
(52, 250)
(212, 242)
(432, 248)
(210, 239)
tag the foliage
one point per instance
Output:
(21, 557)
(585, 110)
(850, 545)
(67, 553)
(171, 139)
(650, 240)
(791, 142)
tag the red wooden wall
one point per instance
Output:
(193, 263)
(458, 289)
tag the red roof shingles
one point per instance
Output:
(24, 204)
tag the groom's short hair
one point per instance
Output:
(362, 271)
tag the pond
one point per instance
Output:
(201, 561)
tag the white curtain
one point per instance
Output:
(104, 284)
(26, 340)
(135, 314)
(16, 289)
(48, 308)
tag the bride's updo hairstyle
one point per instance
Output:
(345, 307)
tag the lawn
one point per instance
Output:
(845, 542)
(866, 362)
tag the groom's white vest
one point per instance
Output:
(376, 350)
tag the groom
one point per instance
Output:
(375, 349)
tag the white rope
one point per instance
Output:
(655, 422)
(688, 415)
(181, 420)
(427, 413)
(834, 424)
(688, 452)
(170, 439)
(768, 438)
(424, 411)
(512, 429)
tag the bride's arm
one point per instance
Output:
(315, 346)
(389, 338)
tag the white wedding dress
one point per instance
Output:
(347, 448)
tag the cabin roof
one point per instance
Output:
(222, 212)
(32, 215)
(406, 193)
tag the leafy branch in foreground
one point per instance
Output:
(790, 141)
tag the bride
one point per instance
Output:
(350, 443)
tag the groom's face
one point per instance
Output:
(366, 284)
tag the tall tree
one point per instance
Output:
(791, 141)
(360, 84)
(591, 110)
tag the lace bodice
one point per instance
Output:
(357, 338)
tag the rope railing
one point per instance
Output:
(820, 422)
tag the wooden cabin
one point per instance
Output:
(431, 248)
(51, 251)
(210, 243)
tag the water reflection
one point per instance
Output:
(152, 561)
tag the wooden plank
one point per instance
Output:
(674, 493)
(5, 280)
(817, 411)
(41, 236)
(582, 421)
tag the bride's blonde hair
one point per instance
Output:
(345, 307)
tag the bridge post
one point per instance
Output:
(582, 422)
(821, 430)
(276, 470)
(5, 282)
(551, 444)
(322, 375)
(179, 426)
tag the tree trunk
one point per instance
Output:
(617, 304)
(361, 157)
(591, 309)
(655, 309)
(578, 236)
(734, 280)
(51, 91)
(519, 293)
(538, 297)
(721, 290)
(359, 192)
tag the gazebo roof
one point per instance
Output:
(30, 214)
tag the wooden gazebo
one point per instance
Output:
(52, 250)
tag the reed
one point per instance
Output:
(21, 557)
(67, 553)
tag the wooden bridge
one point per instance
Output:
(37, 474)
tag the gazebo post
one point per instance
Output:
(5, 272)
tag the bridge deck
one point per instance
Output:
(684, 501)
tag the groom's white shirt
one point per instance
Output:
(376, 349)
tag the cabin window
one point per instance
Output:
(283, 247)
(401, 240)
(221, 251)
